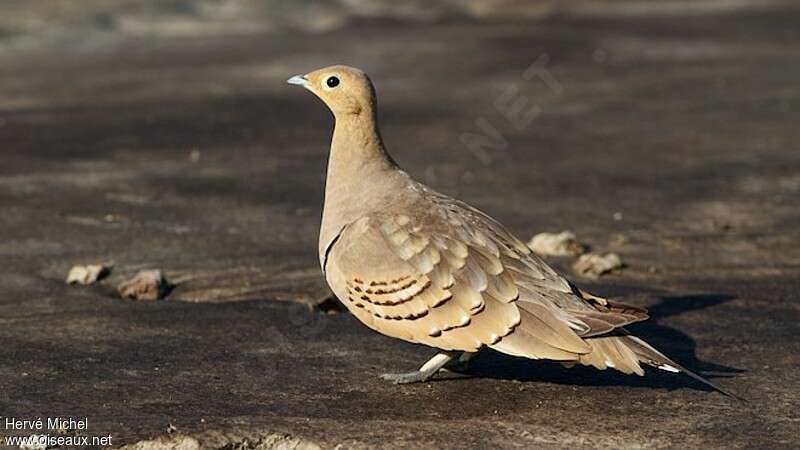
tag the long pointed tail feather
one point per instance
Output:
(649, 355)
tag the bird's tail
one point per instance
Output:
(624, 352)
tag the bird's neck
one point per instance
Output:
(356, 147)
(360, 174)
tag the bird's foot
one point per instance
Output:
(456, 367)
(425, 373)
(408, 377)
(461, 364)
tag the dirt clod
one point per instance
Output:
(88, 274)
(593, 265)
(145, 285)
(166, 443)
(556, 244)
(229, 439)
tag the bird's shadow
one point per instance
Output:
(677, 345)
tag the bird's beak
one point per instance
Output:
(299, 80)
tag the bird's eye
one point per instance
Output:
(332, 82)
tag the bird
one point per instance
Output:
(420, 266)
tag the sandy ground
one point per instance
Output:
(666, 134)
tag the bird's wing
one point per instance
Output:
(452, 278)
(416, 285)
(539, 285)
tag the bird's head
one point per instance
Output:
(345, 90)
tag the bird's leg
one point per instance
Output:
(424, 373)
(462, 363)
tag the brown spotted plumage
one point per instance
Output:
(417, 265)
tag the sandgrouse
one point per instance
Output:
(417, 265)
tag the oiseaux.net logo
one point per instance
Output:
(44, 441)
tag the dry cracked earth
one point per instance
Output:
(664, 131)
